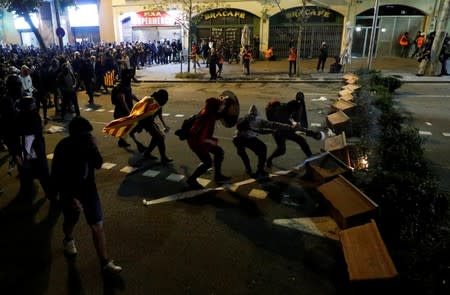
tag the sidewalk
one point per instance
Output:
(277, 71)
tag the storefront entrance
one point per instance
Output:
(224, 27)
(321, 25)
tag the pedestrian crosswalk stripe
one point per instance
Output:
(235, 186)
(88, 109)
(111, 111)
(127, 169)
(425, 132)
(180, 196)
(316, 124)
(428, 123)
(166, 114)
(204, 181)
(446, 133)
(50, 156)
(150, 173)
(175, 177)
(100, 110)
(323, 226)
(257, 194)
(108, 165)
(179, 115)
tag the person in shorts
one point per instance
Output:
(73, 173)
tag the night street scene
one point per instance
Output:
(224, 147)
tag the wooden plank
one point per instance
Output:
(366, 254)
(348, 205)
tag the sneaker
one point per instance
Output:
(70, 248)
(112, 267)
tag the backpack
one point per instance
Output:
(186, 126)
(271, 109)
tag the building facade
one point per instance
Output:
(269, 25)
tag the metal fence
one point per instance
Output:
(313, 35)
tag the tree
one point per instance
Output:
(301, 20)
(188, 9)
(23, 8)
(439, 38)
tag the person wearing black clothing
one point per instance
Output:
(292, 113)
(122, 98)
(323, 54)
(30, 153)
(87, 75)
(158, 139)
(213, 60)
(444, 55)
(68, 85)
(73, 173)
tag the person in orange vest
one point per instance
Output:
(268, 54)
(418, 42)
(404, 43)
(292, 57)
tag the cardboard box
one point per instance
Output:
(343, 105)
(347, 204)
(339, 122)
(337, 145)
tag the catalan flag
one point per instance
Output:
(144, 108)
(108, 78)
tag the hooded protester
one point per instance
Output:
(203, 143)
(248, 129)
(73, 173)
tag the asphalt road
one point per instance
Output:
(220, 242)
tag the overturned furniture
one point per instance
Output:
(346, 203)
(325, 166)
(366, 254)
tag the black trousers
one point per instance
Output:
(280, 140)
(207, 161)
(255, 145)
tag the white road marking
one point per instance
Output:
(446, 133)
(111, 111)
(180, 196)
(179, 115)
(166, 114)
(108, 165)
(204, 181)
(175, 177)
(316, 124)
(428, 123)
(127, 169)
(320, 226)
(428, 133)
(50, 156)
(88, 110)
(257, 194)
(100, 110)
(150, 173)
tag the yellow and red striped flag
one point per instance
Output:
(109, 78)
(144, 108)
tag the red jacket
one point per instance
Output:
(204, 126)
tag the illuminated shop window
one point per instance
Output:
(84, 15)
